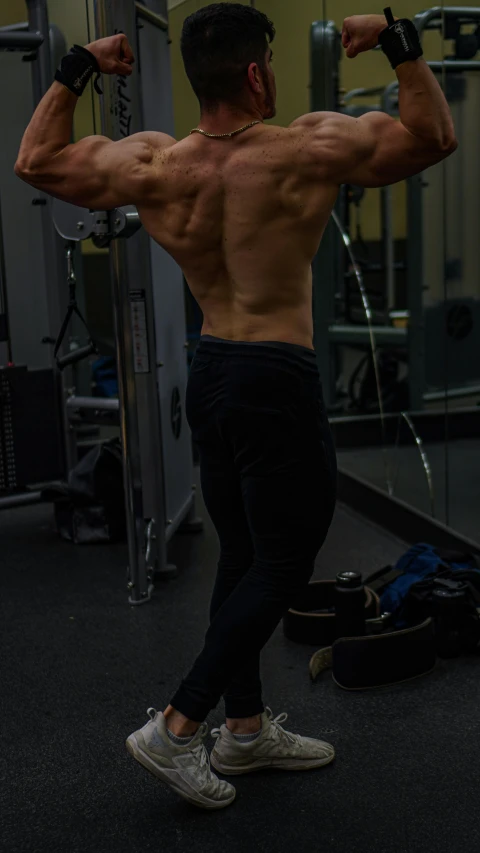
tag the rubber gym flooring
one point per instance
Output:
(79, 667)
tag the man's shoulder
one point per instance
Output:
(154, 140)
(313, 120)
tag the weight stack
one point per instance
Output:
(8, 476)
(32, 446)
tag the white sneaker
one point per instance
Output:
(274, 747)
(185, 768)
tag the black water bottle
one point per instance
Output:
(349, 605)
(450, 610)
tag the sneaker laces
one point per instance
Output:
(209, 780)
(201, 755)
(199, 751)
(278, 729)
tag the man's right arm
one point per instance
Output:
(376, 150)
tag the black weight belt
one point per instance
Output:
(380, 659)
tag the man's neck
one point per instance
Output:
(227, 120)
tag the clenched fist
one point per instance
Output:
(361, 32)
(113, 54)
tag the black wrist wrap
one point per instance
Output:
(400, 42)
(76, 69)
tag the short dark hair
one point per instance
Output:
(218, 44)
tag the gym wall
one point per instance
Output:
(11, 12)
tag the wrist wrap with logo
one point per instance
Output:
(77, 68)
(400, 41)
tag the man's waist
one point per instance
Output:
(264, 361)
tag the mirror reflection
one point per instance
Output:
(395, 324)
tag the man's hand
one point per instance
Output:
(113, 54)
(360, 33)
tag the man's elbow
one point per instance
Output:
(448, 145)
(20, 169)
(26, 170)
(451, 145)
(439, 149)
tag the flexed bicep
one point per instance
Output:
(372, 151)
(100, 174)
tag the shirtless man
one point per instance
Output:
(242, 206)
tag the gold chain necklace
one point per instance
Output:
(224, 135)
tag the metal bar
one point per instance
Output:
(42, 79)
(38, 22)
(423, 19)
(154, 18)
(364, 430)
(23, 499)
(167, 466)
(54, 259)
(415, 285)
(95, 403)
(455, 65)
(452, 393)
(14, 28)
(20, 40)
(388, 246)
(384, 335)
(386, 202)
(116, 125)
(324, 71)
(362, 93)
(128, 414)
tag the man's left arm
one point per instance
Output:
(94, 172)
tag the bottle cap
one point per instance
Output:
(350, 579)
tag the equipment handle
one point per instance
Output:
(76, 355)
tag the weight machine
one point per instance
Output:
(148, 300)
(441, 280)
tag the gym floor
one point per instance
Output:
(80, 667)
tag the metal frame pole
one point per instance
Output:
(138, 581)
(54, 261)
(42, 68)
(415, 290)
(132, 281)
(388, 248)
(387, 220)
(42, 79)
(153, 17)
(324, 55)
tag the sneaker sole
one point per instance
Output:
(161, 773)
(276, 764)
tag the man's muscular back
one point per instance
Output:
(243, 218)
